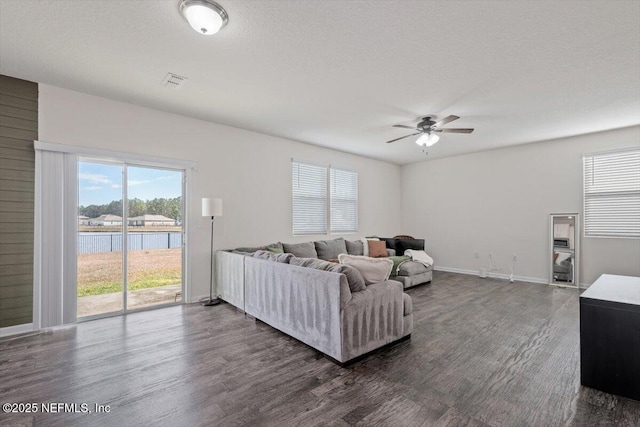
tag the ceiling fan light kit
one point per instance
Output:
(427, 139)
(427, 128)
(205, 16)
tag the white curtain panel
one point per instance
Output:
(55, 238)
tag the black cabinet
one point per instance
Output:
(610, 336)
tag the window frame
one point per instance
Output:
(590, 194)
(328, 230)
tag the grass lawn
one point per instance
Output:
(101, 273)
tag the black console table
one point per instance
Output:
(610, 335)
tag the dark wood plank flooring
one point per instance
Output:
(483, 352)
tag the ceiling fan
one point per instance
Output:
(427, 129)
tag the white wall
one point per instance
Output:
(251, 172)
(499, 202)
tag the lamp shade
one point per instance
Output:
(211, 207)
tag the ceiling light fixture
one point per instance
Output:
(204, 16)
(427, 139)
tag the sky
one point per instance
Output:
(100, 183)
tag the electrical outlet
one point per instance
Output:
(476, 255)
(515, 257)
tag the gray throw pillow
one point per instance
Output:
(262, 254)
(271, 256)
(355, 247)
(330, 249)
(301, 250)
(235, 251)
(251, 250)
(354, 278)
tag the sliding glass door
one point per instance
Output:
(130, 237)
(154, 261)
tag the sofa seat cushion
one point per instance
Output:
(373, 270)
(354, 278)
(412, 268)
(301, 250)
(407, 303)
(330, 249)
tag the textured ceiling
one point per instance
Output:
(340, 73)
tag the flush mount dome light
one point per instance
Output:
(204, 16)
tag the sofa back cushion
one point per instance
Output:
(373, 270)
(415, 244)
(330, 249)
(301, 250)
(355, 247)
(272, 256)
(401, 245)
(354, 278)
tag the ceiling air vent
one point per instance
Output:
(173, 81)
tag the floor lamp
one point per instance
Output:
(211, 208)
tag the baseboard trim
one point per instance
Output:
(17, 329)
(492, 275)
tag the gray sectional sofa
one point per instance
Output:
(320, 303)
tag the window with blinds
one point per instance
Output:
(324, 199)
(344, 201)
(612, 194)
(309, 198)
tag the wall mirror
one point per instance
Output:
(565, 244)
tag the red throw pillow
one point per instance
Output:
(377, 248)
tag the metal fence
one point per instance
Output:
(89, 243)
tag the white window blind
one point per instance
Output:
(344, 201)
(309, 198)
(612, 194)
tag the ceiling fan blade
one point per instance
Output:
(404, 127)
(446, 120)
(403, 137)
(454, 130)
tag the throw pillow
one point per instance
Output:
(301, 250)
(262, 254)
(355, 247)
(377, 248)
(330, 249)
(272, 256)
(276, 248)
(250, 250)
(354, 277)
(373, 270)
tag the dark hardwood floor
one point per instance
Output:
(483, 352)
